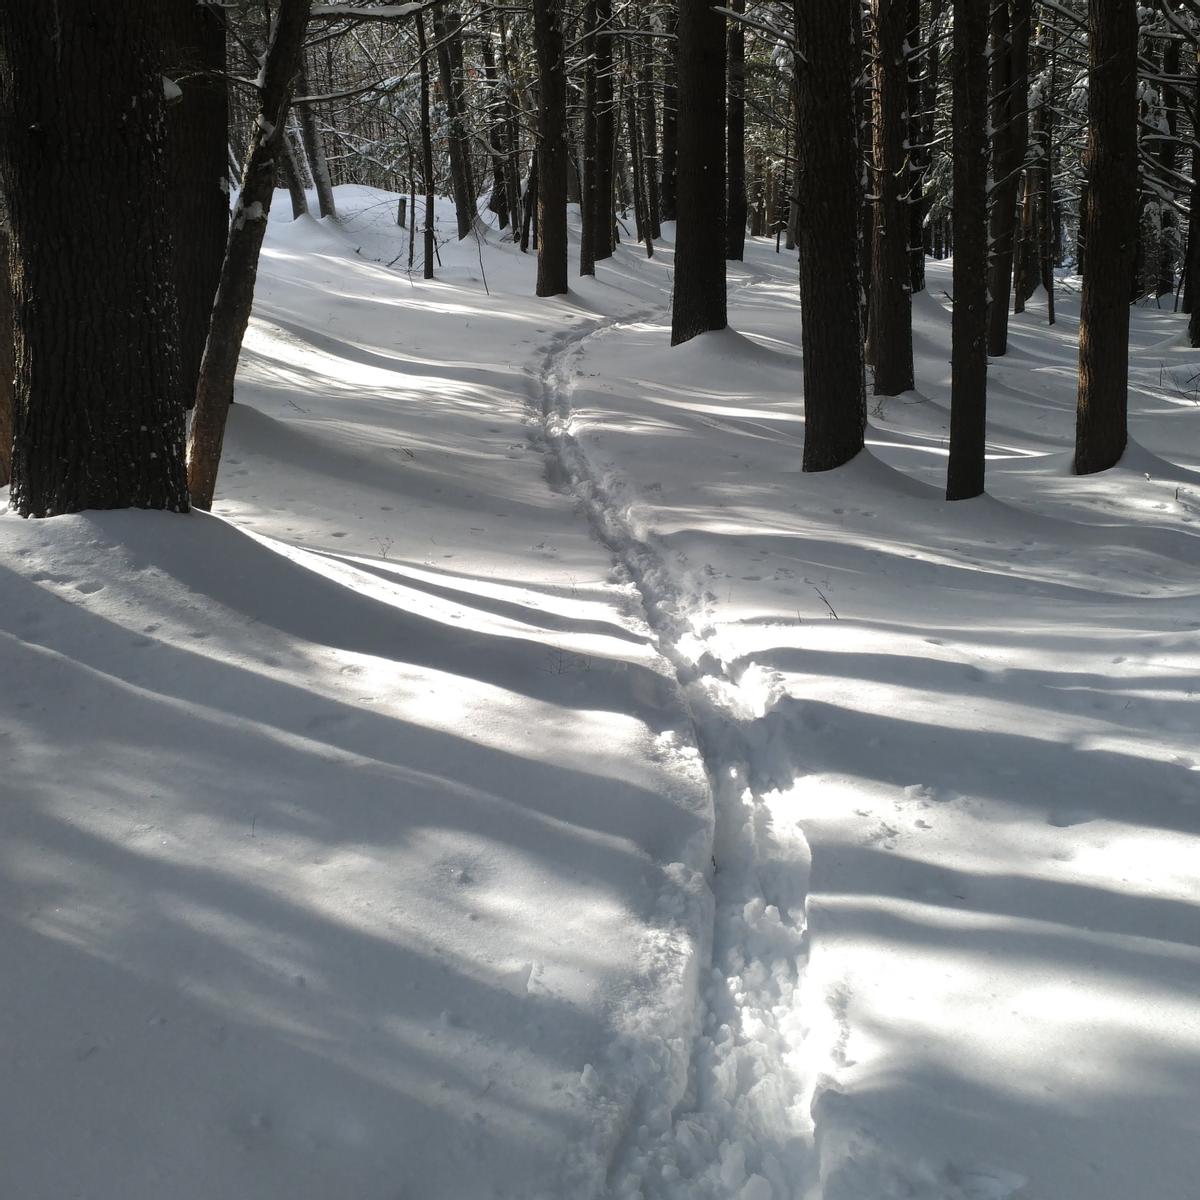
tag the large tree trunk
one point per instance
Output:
(735, 142)
(829, 178)
(891, 295)
(198, 146)
(968, 353)
(99, 415)
(1100, 431)
(552, 149)
(1010, 120)
(235, 295)
(699, 296)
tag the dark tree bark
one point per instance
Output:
(98, 413)
(314, 150)
(917, 155)
(699, 296)
(1168, 156)
(891, 296)
(497, 133)
(1191, 260)
(829, 176)
(198, 146)
(513, 166)
(552, 149)
(447, 30)
(426, 148)
(735, 142)
(1100, 429)
(235, 294)
(670, 118)
(1010, 121)
(968, 353)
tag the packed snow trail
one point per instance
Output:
(732, 1122)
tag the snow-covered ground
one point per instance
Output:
(528, 784)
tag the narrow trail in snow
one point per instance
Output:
(739, 1129)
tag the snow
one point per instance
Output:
(528, 783)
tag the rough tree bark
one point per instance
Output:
(891, 295)
(968, 352)
(1110, 219)
(235, 294)
(829, 180)
(98, 413)
(590, 205)
(552, 149)
(606, 132)
(670, 118)
(699, 295)
(649, 134)
(198, 147)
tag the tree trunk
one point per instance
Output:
(1100, 431)
(1010, 120)
(916, 155)
(447, 31)
(314, 150)
(497, 132)
(606, 131)
(552, 149)
(968, 352)
(235, 295)
(649, 134)
(429, 232)
(891, 295)
(699, 295)
(289, 174)
(735, 143)
(589, 208)
(98, 413)
(198, 141)
(829, 178)
(670, 116)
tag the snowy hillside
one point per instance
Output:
(527, 784)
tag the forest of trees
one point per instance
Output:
(1019, 136)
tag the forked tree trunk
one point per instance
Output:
(314, 150)
(735, 154)
(235, 295)
(968, 351)
(891, 295)
(829, 178)
(699, 293)
(1100, 429)
(552, 149)
(98, 413)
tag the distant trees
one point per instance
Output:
(99, 413)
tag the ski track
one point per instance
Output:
(733, 1121)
